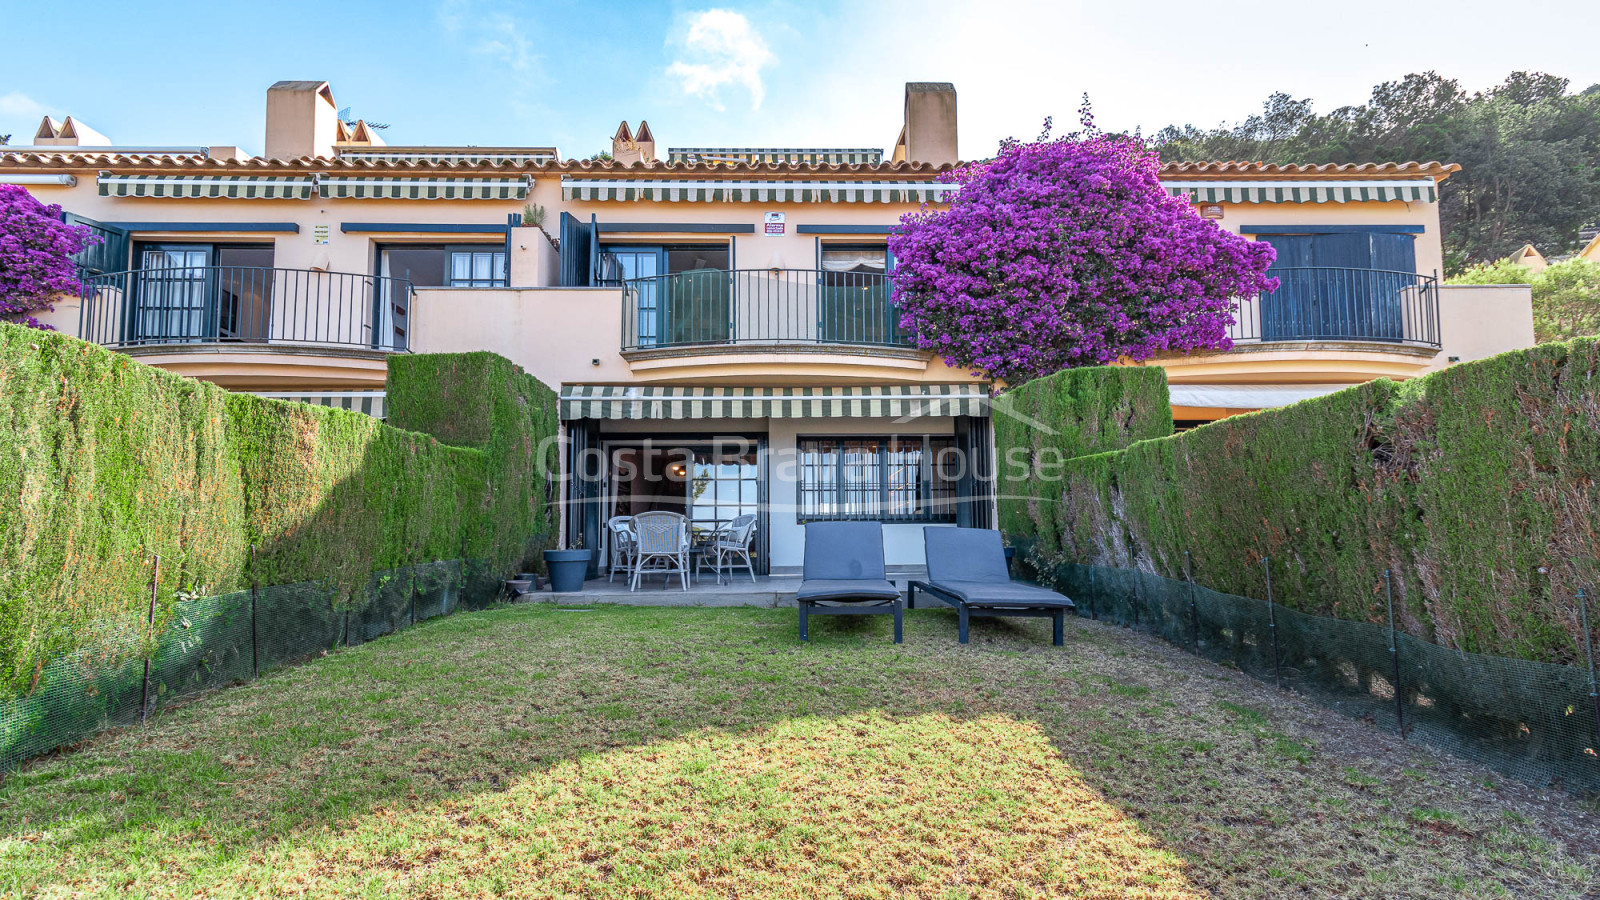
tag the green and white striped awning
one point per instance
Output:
(369, 402)
(428, 187)
(230, 187)
(753, 155)
(453, 156)
(1303, 191)
(758, 191)
(886, 401)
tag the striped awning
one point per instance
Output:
(758, 191)
(369, 402)
(753, 155)
(888, 401)
(453, 156)
(1303, 191)
(340, 187)
(231, 187)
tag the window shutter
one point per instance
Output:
(577, 250)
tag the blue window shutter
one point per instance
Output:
(1394, 252)
(1283, 312)
(577, 240)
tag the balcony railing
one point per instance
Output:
(246, 305)
(759, 306)
(1334, 304)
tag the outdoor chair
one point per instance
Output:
(967, 570)
(661, 544)
(622, 549)
(844, 575)
(729, 544)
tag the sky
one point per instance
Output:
(774, 74)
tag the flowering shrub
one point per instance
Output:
(1067, 252)
(36, 250)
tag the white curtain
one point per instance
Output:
(853, 261)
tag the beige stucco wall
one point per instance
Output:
(343, 252)
(555, 334)
(1481, 320)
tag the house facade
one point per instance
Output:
(718, 321)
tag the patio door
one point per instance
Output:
(172, 293)
(709, 480)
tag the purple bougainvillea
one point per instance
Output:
(1067, 252)
(36, 250)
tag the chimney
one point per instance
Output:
(363, 135)
(929, 133)
(623, 149)
(69, 133)
(646, 142)
(301, 120)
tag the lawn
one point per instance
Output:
(641, 752)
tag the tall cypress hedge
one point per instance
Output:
(1475, 485)
(105, 461)
(1040, 425)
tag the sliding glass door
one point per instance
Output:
(172, 294)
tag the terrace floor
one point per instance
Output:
(734, 589)
(542, 750)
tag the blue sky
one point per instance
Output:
(751, 74)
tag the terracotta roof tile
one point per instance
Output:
(915, 170)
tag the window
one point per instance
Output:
(909, 478)
(202, 292)
(477, 268)
(853, 295)
(427, 265)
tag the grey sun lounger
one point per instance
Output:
(967, 570)
(844, 575)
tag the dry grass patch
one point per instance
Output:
(624, 752)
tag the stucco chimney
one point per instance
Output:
(70, 133)
(929, 135)
(301, 120)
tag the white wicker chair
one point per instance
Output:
(731, 543)
(661, 543)
(622, 549)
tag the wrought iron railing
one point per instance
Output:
(246, 305)
(1324, 303)
(759, 306)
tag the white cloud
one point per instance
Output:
(720, 49)
(495, 35)
(20, 115)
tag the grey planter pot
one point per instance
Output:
(567, 569)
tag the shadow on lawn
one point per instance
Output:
(663, 750)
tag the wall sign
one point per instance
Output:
(775, 223)
(319, 234)
(1211, 210)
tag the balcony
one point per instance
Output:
(760, 308)
(1326, 326)
(1326, 304)
(245, 326)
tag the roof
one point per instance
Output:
(198, 165)
(127, 162)
(1248, 170)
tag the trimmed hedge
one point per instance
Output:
(1476, 486)
(1040, 425)
(105, 461)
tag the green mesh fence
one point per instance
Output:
(1532, 721)
(213, 642)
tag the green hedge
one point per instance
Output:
(1040, 425)
(1476, 486)
(105, 461)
